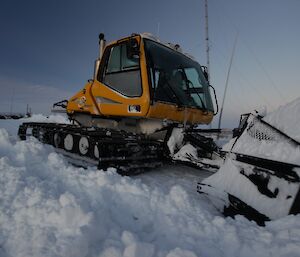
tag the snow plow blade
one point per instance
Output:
(255, 180)
(266, 190)
(230, 205)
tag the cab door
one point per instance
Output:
(119, 90)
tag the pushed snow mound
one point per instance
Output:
(49, 208)
(287, 119)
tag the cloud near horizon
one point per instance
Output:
(15, 95)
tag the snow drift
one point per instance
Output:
(50, 208)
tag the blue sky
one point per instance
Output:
(48, 47)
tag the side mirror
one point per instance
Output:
(216, 99)
(133, 50)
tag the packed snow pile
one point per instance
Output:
(287, 119)
(51, 208)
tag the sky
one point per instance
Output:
(48, 48)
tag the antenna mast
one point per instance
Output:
(227, 80)
(207, 39)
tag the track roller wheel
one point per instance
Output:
(68, 142)
(83, 145)
(56, 140)
(96, 152)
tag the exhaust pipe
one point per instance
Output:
(102, 42)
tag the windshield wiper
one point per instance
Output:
(188, 82)
(179, 102)
(201, 100)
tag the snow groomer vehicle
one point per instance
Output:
(144, 106)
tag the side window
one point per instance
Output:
(193, 76)
(195, 87)
(114, 61)
(119, 61)
(123, 73)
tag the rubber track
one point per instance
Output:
(129, 153)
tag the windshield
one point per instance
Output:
(176, 78)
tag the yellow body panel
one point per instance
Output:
(83, 102)
(183, 115)
(98, 99)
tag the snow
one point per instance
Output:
(13, 125)
(51, 208)
(186, 152)
(287, 119)
(175, 140)
(178, 151)
(175, 47)
(150, 36)
(232, 177)
(229, 179)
